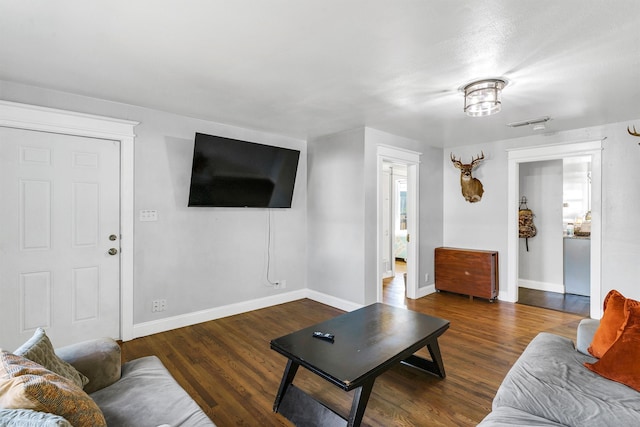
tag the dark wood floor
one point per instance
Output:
(226, 365)
(569, 303)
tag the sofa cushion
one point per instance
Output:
(585, 333)
(509, 417)
(40, 350)
(550, 381)
(30, 418)
(99, 359)
(621, 362)
(147, 395)
(26, 385)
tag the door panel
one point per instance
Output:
(60, 204)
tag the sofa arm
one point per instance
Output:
(586, 330)
(100, 360)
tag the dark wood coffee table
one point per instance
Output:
(367, 342)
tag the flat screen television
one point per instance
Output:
(232, 173)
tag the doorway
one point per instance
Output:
(395, 232)
(397, 248)
(554, 265)
(518, 157)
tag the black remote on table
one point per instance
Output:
(324, 336)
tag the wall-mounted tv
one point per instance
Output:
(232, 173)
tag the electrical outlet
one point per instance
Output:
(283, 284)
(158, 305)
(426, 277)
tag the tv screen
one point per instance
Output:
(231, 173)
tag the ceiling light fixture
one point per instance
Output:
(483, 97)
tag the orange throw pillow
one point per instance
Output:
(611, 324)
(622, 362)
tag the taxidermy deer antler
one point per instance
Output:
(471, 187)
(634, 133)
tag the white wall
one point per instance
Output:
(196, 258)
(342, 211)
(203, 258)
(483, 225)
(336, 215)
(542, 266)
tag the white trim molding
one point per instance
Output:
(425, 290)
(188, 319)
(542, 286)
(32, 117)
(401, 155)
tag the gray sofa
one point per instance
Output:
(138, 393)
(549, 386)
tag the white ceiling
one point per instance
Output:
(305, 68)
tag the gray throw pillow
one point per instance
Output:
(40, 350)
(30, 418)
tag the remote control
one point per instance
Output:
(323, 336)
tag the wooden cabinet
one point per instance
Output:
(467, 271)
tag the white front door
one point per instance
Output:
(59, 221)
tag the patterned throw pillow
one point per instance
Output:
(26, 385)
(40, 350)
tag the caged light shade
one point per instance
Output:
(483, 97)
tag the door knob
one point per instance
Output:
(113, 237)
(113, 251)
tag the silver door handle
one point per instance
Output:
(113, 251)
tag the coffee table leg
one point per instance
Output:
(287, 379)
(435, 365)
(360, 399)
(434, 351)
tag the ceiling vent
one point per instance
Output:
(537, 124)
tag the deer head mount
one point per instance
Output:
(471, 187)
(634, 133)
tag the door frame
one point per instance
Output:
(553, 152)
(32, 117)
(412, 160)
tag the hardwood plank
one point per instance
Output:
(226, 365)
(577, 304)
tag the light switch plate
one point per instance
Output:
(148, 215)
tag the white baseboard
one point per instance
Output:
(507, 297)
(332, 301)
(541, 286)
(188, 319)
(426, 290)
